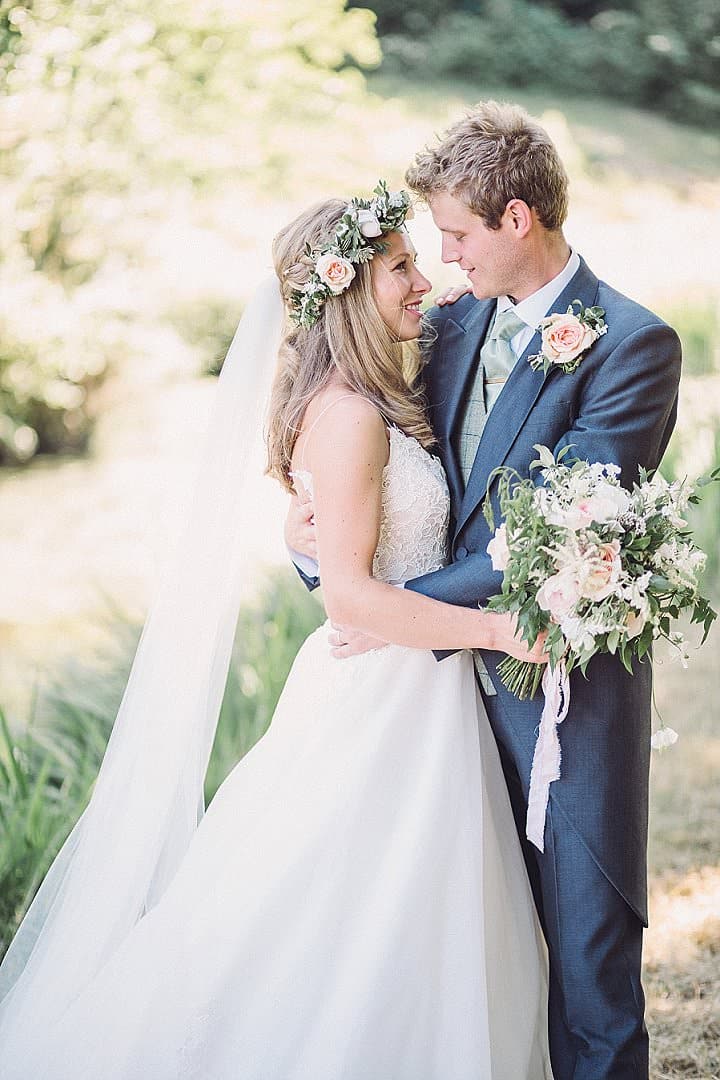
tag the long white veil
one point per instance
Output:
(147, 800)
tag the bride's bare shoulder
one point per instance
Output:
(344, 402)
(340, 418)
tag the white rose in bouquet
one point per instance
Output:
(498, 549)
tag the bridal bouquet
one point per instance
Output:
(600, 568)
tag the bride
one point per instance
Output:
(354, 905)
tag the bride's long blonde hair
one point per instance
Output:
(349, 338)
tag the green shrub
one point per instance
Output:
(703, 519)
(698, 326)
(651, 53)
(54, 357)
(208, 325)
(43, 407)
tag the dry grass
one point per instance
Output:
(682, 955)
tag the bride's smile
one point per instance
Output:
(399, 286)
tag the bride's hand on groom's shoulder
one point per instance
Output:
(509, 640)
(449, 296)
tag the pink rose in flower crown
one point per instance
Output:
(602, 568)
(498, 549)
(334, 271)
(565, 337)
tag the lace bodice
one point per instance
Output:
(415, 512)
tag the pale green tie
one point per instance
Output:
(497, 360)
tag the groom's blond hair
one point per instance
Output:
(496, 153)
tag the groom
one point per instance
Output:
(497, 192)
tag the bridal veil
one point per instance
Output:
(148, 797)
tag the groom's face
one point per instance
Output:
(489, 257)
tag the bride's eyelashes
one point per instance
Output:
(403, 264)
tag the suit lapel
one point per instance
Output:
(461, 343)
(518, 398)
(459, 349)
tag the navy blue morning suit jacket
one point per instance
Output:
(619, 406)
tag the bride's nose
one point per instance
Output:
(421, 284)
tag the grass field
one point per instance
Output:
(683, 942)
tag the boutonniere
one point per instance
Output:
(566, 338)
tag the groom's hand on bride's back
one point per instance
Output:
(300, 531)
(345, 642)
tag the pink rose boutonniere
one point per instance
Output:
(566, 338)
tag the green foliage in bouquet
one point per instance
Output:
(597, 568)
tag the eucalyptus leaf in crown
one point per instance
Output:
(358, 237)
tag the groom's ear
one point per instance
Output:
(519, 217)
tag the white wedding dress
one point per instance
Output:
(354, 904)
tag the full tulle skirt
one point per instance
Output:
(353, 906)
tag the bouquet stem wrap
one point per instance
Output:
(546, 759)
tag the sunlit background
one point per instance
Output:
(149, 151)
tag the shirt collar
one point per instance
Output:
(534, 307)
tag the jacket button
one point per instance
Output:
(461, 553)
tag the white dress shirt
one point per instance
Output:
(536, 306)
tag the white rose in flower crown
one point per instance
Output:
(559, 594)
(334, 271)
(601, 571)
(498, 549)
(368, 224)
(564, 337)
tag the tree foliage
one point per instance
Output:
(655, 53)
(109, 112)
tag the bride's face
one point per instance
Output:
(398, 286)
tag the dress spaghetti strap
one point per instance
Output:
(319, 417)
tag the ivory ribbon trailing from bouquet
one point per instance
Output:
(546, 759)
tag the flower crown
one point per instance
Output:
(355, 241)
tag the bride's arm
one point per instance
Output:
(346, 455)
